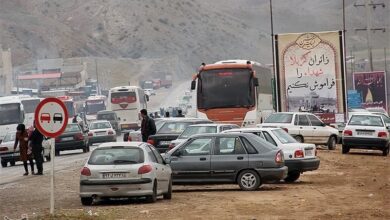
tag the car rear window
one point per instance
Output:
(279, 118)
(72, 128)
(100, 125)
(189, 131)
(9, 137)
(109, 116)
(173, 127)
(366, 120)
(116, 155)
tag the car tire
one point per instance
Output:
(332, 143)
(344, 149)
(57, 153)
(292, 176)
(4, 163)
(152, 198)
(87, 200)
(299, 138)
(385, 151)
(168, 194)
(249, 180)
(12, 163)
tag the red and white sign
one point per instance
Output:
(51, 117)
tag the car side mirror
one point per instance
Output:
(167, 160)
(256, 81)
(193, 85)
(178, 153)
(387, 127)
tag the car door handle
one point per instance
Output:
(240, 158)
(202, 158)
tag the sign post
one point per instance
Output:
(51, 118)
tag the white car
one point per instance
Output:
(378, 110)
(7, 154)
(366, 131)
(100, 132)
(299, 157)
(200, 129)
(125, 169)
(304, 127)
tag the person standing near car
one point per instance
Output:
(148, 126)
(36, 140)
(21, 138)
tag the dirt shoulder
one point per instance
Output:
(353, 186)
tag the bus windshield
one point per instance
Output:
(226, 88)
(92, 107)
(30, 105)
(10, 114)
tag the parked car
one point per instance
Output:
(299, 157)
(73, 138)
(200, 129)
(304, 127)
(100, 132)
(109, 116)
(366, 131)
(126, 169)
(170, 130)
(245, 159)
(7, 154)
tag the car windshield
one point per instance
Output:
(283, 136)
(279, 118)
(10, 137)
(100, 125)
(366, 120)
(173, 127)
(191, 130)
(72, 128)
(109, 116)
(116, 155)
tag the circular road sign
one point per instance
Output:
(51, 117)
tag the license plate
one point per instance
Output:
(165, 142)
(67, 138)
(365, 133)
(309, 152)
(114, 175)
(100, 133)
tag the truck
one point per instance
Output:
(146, 84)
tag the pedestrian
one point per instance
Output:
(21, 138)
(167, 114)
(147, 125)
(180, 113)
(156, 115)
(36, 140)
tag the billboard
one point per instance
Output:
(310, 73)
(372, 88)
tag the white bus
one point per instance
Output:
(29, 106)
(127, 101)
(11, 114)
(93, 105)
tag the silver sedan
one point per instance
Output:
(125, 169)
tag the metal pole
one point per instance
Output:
(369, 50)
(52, 156)
(273, 56)
(97, 78)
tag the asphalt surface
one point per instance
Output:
(163, 98)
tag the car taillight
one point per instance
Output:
(150, 141)
(58, 139)
(90, 134)
(171, 145)
(347, 133)
(298, 154)
(110, 132)
(145, 169)
(279, 157)
(382, 134)
(3, 148)
(79, 136)
(286, 129)
(86, 171)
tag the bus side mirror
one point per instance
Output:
(193, 85)
(256, 81)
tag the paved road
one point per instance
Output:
(164, 98)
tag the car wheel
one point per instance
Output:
(4, 163)
(344, 149)
(332, 143)
(299, 138)
(249, 180)
(87, 201)
(57, 153)
(152, 198)
(385, 151)
(292, 176)
(12, 163)
(168, 195)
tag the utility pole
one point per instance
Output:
(368, 4)
(97, 78)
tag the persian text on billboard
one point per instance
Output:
(372, 88)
